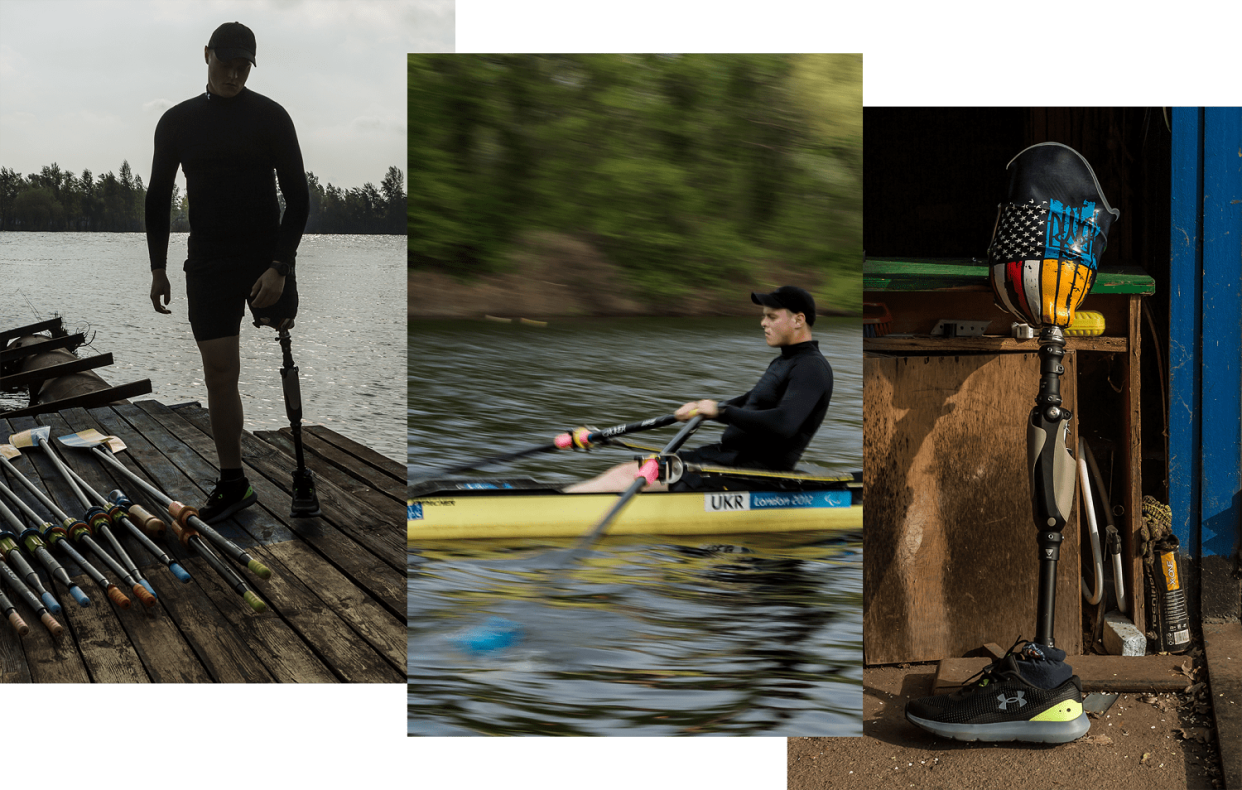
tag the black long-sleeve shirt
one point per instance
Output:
(228, 149)
(772, 424)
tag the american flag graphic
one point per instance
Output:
(1043, 260)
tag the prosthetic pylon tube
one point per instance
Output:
(1051, 474)
(305, 503)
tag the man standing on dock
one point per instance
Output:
(768, 427)
(228, 140)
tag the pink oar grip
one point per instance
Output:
(577, 438)
(650, 470)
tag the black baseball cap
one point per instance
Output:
(233, 40)
(791, 298)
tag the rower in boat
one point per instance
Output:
(768, 427)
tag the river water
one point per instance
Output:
(731, 635)
(349, 342)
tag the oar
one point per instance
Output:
(98, 517)
(648, 470)
(185, 526)
(580, 438)
(187, 515)
(81, 532)
(499, 632)
(24, 592)
(32, 538)
(8, 547)
(10, 611)
(117, 510)
(56, 537)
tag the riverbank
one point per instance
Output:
(558, 276)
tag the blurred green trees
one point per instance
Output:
(684, 170)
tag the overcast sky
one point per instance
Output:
(85, 81)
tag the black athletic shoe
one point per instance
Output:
(228, 497)
(1002, 704)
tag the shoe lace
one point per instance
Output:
(991, 672)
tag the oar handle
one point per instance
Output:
(580, 438)
(647, 473)
(15, 619)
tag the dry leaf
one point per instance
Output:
(1098, 740)
(1200, 734)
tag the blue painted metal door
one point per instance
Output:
(1205, 330)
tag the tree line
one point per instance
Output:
(681, 169)
(58, 200)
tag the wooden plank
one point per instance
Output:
(370, 527)
(1131, 522)
(324, 470)
(185, 639)
(1111, 674)
(277, 648)
(1222, 646)
(949, 554)
(388, 466)
(354, 473)
(13, 667)
(95, 647)
(193, 644)
(52, 325)
(944, 345)
(917, 314)
(334, 632)
(53, 371)
(88, 400)
(68, 341)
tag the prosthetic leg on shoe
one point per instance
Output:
(1043, 260)
(305, 502)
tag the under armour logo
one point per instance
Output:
(1005, 701)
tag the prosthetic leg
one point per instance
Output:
(1042, 261)
(305, 503)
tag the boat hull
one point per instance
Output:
(470, 514)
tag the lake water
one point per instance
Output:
(349, 342)
(731, 635)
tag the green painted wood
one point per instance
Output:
(930, 274)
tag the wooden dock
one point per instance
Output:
(336, 596)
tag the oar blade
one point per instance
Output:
(30, 437)
(92, 438)
(496, 633)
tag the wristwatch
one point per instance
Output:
(281, 268)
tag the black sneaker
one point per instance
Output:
(228, 497)
(1002, 704)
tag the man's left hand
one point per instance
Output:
(267, 289)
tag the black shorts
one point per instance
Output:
(710, 455)
(218, 292)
